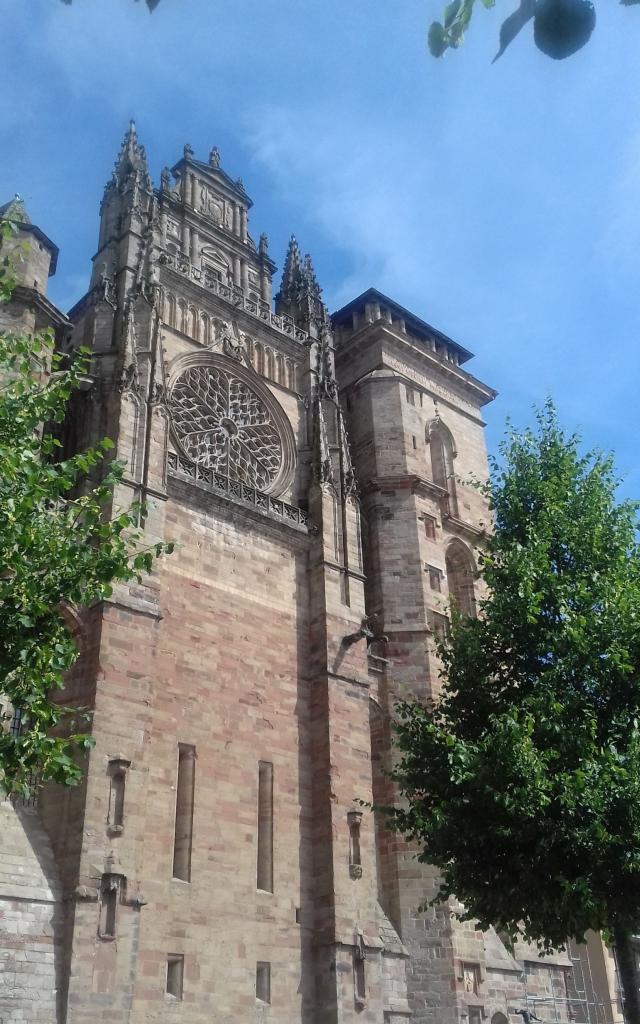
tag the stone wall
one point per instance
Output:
(30, 920)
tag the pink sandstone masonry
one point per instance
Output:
(217, 863)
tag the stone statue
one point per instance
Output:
(231, 345)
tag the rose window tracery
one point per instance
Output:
(222, 423)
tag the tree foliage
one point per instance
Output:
(58, 549)
(560, 27)
(522, 784)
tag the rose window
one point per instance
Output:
(220, 422)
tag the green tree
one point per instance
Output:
(560, 27)
(58, 549)
(522, 784)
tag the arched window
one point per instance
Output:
(443, 451)
(171, 310)
(280, 369)
(460, 576)
(499, 1018)
(192, 322)
(182, 316)
(205, 329)
(259, 358)
(270, 364)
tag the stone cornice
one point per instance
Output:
(404, 482)
(31, 297)
(408, 352)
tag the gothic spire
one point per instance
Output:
(310, 279)
(291, 274)
(131, 160)
(300, 295)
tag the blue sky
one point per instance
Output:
(499, 202)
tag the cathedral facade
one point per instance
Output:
(218, 863)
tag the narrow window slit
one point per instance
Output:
(183, 838)
(263, 982)
(265, 826)
(354, 819)
(175, 975)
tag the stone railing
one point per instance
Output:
(239, 492)
(235, 296)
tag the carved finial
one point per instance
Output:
(291, 272)
(310, 278)
(214, 158)
(263, 245)
(165, 179)
(300, 293)
(240, 184)
(188, 151)
(132, 160)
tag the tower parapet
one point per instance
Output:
(34, 260)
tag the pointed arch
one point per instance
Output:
(205, 329)
(461, 572)
(442, 452)
(270, 363)
(170, 310)
(259, 358)
(280, 368)
(182, 316)
(192, 322)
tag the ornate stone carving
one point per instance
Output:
(226, 423)
(230, 340)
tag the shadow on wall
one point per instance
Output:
(31, 921)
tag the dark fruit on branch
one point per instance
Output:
(560, 27)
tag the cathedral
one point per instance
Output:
(218, 864)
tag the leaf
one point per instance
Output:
(451, 13)
(512, 25)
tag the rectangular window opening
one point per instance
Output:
(440, 625)
(435, 578)
(471, 978)
(175, 975)
(430, 527)
(265, 826)
(108, 910)
(263, 982)
(116, 801)
(359, 980)
(183, 837)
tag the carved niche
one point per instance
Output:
(225, 419)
